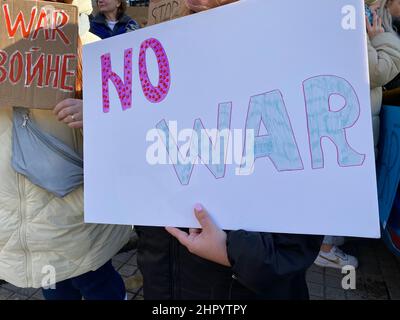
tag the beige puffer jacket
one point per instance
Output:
(39, 230)
(384, 65)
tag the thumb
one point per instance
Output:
(204, 218)
(375, 19)
(368, 24)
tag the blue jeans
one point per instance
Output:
(103, 284)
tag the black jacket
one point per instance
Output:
(264, 266)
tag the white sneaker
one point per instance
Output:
(336, 258)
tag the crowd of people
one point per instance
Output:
(39, 229)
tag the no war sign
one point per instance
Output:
(267, 126)
(38, 53)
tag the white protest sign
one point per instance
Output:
(258, 110)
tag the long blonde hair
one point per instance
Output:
(387, 19)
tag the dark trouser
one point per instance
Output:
(103, 284)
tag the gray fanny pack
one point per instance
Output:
(43, 159)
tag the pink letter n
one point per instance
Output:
(123, 87)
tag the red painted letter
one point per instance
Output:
(25, 30)
(59, 26)
(41, 25)
(3, 71)
(66, 73)
(50, 70)
(37, 67)
(16, 57)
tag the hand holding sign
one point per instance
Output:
(376, 27)
(70, 112)
(208, 243)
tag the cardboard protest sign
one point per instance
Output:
(38, 53)
(139, 14)
(267, 130)
(164, 10)
(389, 160)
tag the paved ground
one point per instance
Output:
(378, 277)
(125, 263)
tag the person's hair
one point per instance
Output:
(79, 73)
(121, 9)
(370, 2)
(387, 19)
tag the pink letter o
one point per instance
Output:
(154, 94)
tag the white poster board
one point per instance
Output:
(286, 80)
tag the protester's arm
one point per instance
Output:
(384, 59)
(383, 53)
(258, 259)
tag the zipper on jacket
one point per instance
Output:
(78, 162)
(22, 230)
(26, 118)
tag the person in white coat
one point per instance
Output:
(384, 65)
(42, 235)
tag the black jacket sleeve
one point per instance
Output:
(261, 260)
